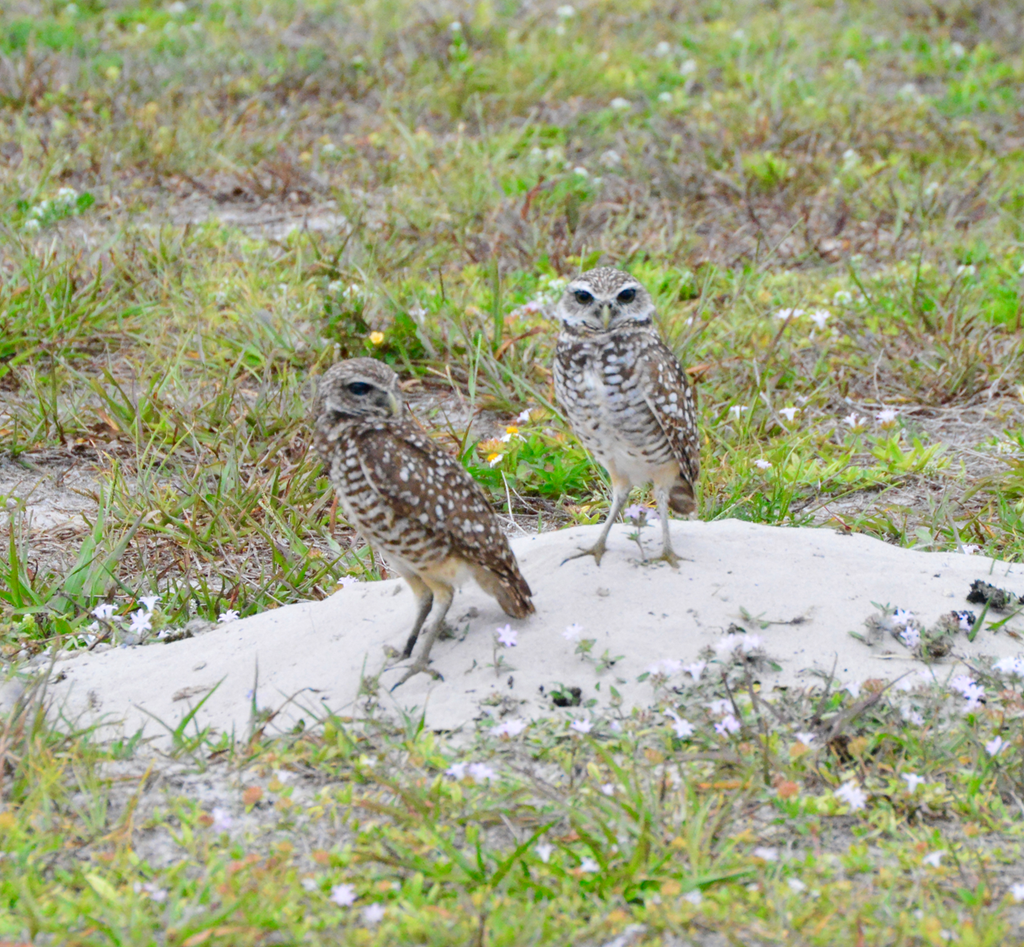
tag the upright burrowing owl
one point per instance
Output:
(626, 395)
(409, 498)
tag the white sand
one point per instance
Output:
(311, 656)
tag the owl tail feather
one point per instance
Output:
(680, 498)
(509, 588)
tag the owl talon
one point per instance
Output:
(597, 551)
(670, 557)
(414, 669)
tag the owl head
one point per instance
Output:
(358, 388)
(604, 299)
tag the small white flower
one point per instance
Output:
(732, 644)
(696, 669)
(682, 728)
(509, 728)
(886, 417)
(662, 49)
(581, 172)
(911, 637)
(1013, 666)
(854, 421)
(506, 636)
(902, 617)
(480, 773)
(348, 581)
(544, 851)
(665, 667)
(566, 12)
(842, 297)
(995, 745)
(768, 854)
(149, 601)
(523, 416)
(789, 413)
(455, 26)
(967, 269)
(719, 706)
(573, 632)
(141, 622)
(373, 914)
(1017, 892)
(66, 197)
(222, 819)
(494, 459)
(762, 464)
(796, 885)
(588, 864)
(957, 50)
(456, 770)
(694, 897)
(851, 793)
(804, 737)
(913, 781)
(608, 789)
(104, 611)
(343, 895)
(619, 104)
(666, 98)
(969, 549)
(31, 226)
(155, 892)
(688, 67)
(933, 859)
(226, 616)
(788, 313)
(309, 884)
(728, 724)
(819, 317)
(737, 409)
(581, 726)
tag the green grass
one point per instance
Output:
(161, 329)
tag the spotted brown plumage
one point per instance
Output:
(626, 395)
(410, 499)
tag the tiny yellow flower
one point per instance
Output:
(376, 337)
(511, 429)
(494, 459)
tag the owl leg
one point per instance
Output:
(425, 599)
(620, 493)
(667, 553)
(443, 595)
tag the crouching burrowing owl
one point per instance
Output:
(410, 499)
(626, 396)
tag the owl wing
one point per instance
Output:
(673, 402)
(423, 483)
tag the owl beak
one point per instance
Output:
(606, 314)
(394, 404)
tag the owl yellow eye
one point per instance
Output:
(627, 295)
(360, 388)
(582, 296)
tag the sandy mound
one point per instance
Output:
(813, 585)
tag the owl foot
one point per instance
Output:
(417, 667)
(667, 555)
(597, 551)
